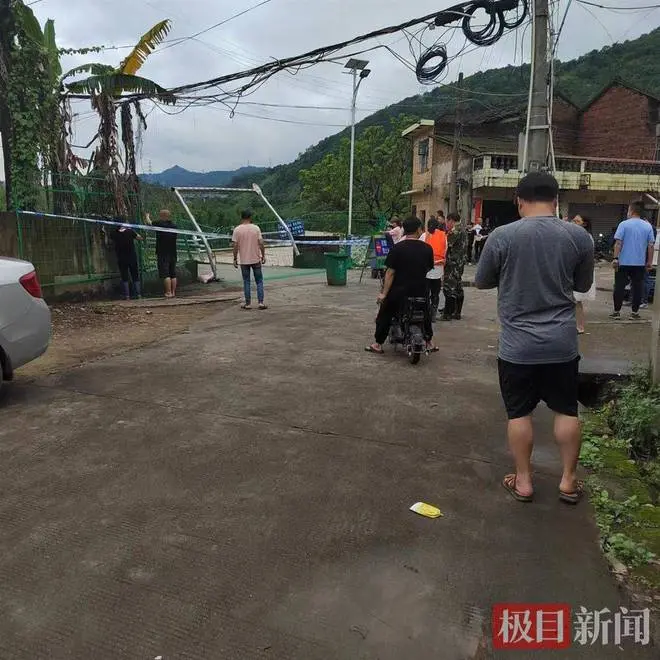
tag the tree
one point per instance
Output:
(382, 173)
(7, 32)
(106, 86)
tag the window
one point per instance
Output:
(414, 210)
(422, 216)
(423, 153)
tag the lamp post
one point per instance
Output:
(358, 68)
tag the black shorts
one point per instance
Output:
(166, 266)
(524, 386)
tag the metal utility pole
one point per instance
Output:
(360, 72)
(537, 141)
(655, 306)
(458, 129)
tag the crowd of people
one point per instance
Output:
(248, 249)
(543, 268)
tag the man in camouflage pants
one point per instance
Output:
(454, 266)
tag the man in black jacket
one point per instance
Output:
(407, 264)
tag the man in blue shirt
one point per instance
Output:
(633, 256)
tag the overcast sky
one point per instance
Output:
(207, 139)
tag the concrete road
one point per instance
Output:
(242, 491)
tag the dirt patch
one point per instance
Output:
(85, 332)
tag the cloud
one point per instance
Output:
(206, 138)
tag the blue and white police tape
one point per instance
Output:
(186, 232)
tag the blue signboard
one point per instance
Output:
(296, 227)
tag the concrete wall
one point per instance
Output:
(437, 198)
(619, 125)
(421, 178)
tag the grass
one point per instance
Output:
(621, 450)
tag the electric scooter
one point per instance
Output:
(407, 328)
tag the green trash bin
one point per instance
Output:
(336, 265)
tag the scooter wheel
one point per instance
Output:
(414, 357)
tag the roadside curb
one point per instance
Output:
(157, 303)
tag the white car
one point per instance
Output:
(24, 316)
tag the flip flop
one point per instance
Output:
(580, 332)
(433, 349)
(575, 496)
(509, 484)
(371, 349)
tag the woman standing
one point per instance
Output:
(580, 298)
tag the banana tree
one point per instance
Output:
(106, 86)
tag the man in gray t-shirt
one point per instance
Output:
(536, 263)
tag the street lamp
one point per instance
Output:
(359, 70)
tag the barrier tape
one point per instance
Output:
(186, 232)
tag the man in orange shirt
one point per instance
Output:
(437, 239)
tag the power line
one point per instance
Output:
(217, 25)
(561, 27)
(595, 4)
(276, 119)
(179, 40)
(260, 74)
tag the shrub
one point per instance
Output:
(635, 416)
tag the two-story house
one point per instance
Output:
(604, 157)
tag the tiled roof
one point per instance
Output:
(486, 145)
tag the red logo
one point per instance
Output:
(531, 626)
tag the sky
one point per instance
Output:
(207, 138)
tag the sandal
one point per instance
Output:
(575, 496)
(372, 349)
(509, 484)
(246, 306)
(263, 306)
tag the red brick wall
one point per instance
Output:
(566, 123)
(618, 125)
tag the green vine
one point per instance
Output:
(36, 113)
(26, 90)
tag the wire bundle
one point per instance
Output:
(499, 19)
(429, 64)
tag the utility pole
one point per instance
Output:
(458, 129)
(359, 72)
(351, 171)
(538, 127)
(655, 306)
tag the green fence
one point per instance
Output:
(69, 252)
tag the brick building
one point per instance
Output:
(621, 122)
(606, 154)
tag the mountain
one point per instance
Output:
(179, 177)
(634, 61)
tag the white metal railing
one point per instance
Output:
(508, 162)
